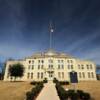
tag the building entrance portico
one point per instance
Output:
(50, 75)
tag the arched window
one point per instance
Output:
(42, 61)
(29, 61)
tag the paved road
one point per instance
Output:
(48, 93)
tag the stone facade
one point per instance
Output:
(51, 64)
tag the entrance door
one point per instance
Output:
(73, 77)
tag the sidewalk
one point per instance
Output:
(49, 92)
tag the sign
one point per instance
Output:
(73, 77)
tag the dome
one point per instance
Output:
(50, 52)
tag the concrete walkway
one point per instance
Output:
(48, 92)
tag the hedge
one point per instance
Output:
(60, 82)
(31, 95)
(71, 94)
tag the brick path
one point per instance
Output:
(49, 92)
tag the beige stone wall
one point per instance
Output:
(66, 66)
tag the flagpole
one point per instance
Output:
(51, 31)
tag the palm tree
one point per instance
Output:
(16, 70)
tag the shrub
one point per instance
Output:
(45, 80)
(84, 95)
(35, 83)
(55, 80)
(72, 94)
(64, 82)
(34, 92)
(61, 82)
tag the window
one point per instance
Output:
(89, 75)
(62, 74)
(62, 66)
(82, 66)
(41, 66)
(68, 61)
(59, 75)
(32, 61)
(87, 66)
(31, 75)
(50, 61)
(29, 67)
(80, 75)
(29, 61)
(38, 75)
(32, 66)
(38, 66)
(78, 66)
(42, 75)
(38, 61)
(90, 66)
(28, 75)
(58, 61)
(92, 75)
(51, 66)
(42, 61)
(8, 75)
(58, 66)
(68, 66)
(71, 61)
(83, 74)
(62, 61)
(71, 66)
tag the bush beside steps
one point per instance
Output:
(61, 82)
(71, 94)
(31, 95)
(38, 82)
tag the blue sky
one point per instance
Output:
(24, 27)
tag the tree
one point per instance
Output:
(1, 71)
(16, 70)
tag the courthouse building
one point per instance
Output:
(52, 64)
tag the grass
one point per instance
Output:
(14, 90)
(93, 87)
(17, 90)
